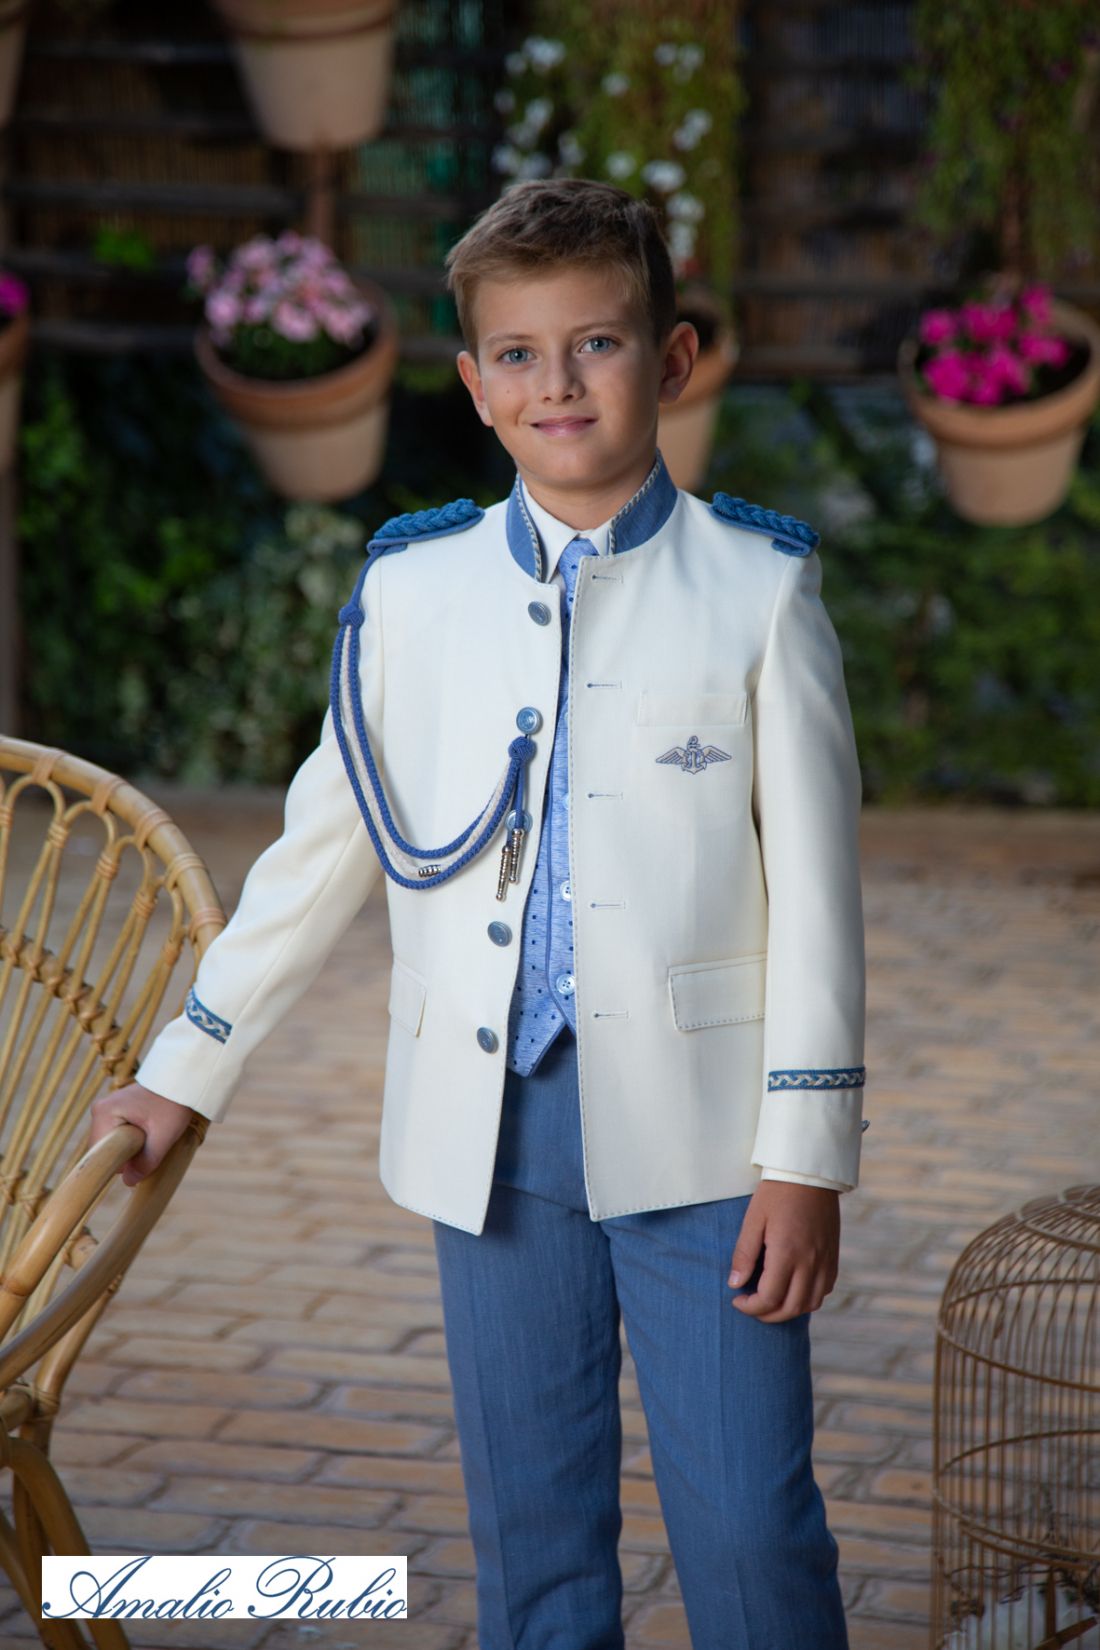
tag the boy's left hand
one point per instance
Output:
(799, 1227)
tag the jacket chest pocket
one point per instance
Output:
(693, 755)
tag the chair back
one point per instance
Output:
(105, 910)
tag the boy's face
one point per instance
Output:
(569, 376)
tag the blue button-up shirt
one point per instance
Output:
(545, 982)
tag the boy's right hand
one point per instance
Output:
(163, 1121)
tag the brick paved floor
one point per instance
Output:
(272, 1372)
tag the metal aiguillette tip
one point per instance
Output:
(505, 866)
(517, 846)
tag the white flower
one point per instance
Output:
(664, 175)
(538, 112)
(570, 149)
(701, 119)
(685, 208)
(544, 54)
(505, 101)
(620, 164)
(693, 126)
(520, 134)
(685, 137)
(665, 53)
(681, 241)
(515, 63)
(615, 84)
(534, 166)
(691, 57)
(505, 158)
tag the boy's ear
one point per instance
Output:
(680, 349)
(471, 377)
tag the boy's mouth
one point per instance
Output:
(563, 426)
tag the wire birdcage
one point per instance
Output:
(1016, 1434)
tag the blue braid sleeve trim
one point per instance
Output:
(520, 751)
(833, 1077)
(206, 1020)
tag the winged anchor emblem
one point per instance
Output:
(693, 757)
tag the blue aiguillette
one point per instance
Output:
(400, 858)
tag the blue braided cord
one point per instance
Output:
(446, 518)
(525, 754)
(755, 517)
(520, 751)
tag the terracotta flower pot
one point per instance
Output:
(317, 72)
(685, 427)
(1009, 466)
(14, 339)
(322, 438)
(13, 35)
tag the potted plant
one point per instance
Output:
(317, 72)
(1006, 385)
(301, 356)
(647, 99)
(15, 330)
(1006, 381)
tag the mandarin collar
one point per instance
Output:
(639, 519)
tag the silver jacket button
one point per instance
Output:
(529, 720)
(487, 1039)
(539, 612)
(499, 933)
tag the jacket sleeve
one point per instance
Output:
(807, 793)
(298, 899)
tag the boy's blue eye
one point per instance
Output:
(520, 349)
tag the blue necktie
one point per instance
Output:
(544, 1000)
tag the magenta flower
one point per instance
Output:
(949, 376)
(223, 310)
(201, 266)
(937, 326)
(1035, 301)
(986, 323)
(1008, 369)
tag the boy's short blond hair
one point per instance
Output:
(543, 224)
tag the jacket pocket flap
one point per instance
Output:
(690, 710)
(718, 993)
(407, 993)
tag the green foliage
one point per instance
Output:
(1013, 150)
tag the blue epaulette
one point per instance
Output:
(399, 531)
(793, 537)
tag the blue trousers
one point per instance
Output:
(531, 1310)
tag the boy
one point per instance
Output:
(624, 1070)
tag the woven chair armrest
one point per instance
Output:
(60, 1222)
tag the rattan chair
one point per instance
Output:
(104, 913)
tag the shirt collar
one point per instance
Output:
(637, 520)
(555, 535)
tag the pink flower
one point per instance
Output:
(1035, 301)
(223, 310)
(948, 376)
(1042, 348)
(1006, 366)
(256, 254)
(294, 323)
(986, 323)
(255, 310)
(986, 388)
(937, 326)
(201, 265)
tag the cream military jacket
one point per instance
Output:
(714, 812)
